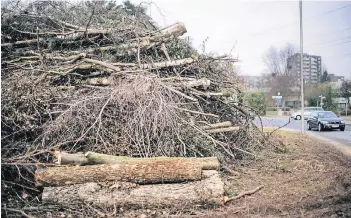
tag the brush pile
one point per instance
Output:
(102, 77)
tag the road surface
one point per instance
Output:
(295, 125)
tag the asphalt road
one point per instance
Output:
(295, 125)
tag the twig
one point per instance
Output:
(19, 211)
(138, 51)
(91, 16)
(280, 127)
(181, 94)
(226, 199)
(23, 186)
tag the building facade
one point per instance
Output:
(256, 83)
(312, 67)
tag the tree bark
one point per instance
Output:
(208, 190)
(145, 42)
(217, 125)
(220, 130)
(140, 172)
(92, 158)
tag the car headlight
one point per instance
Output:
(342, 122)
(325, 122)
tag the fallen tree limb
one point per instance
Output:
(23, 42)
(144, 172)
(168, 64)
(203, 82)
(145, 42)
(217, 125)
(197, 112)
(208, 190)
(104, 64)
(66, 158)
(156, 65)
(226, 199)
(206, 163)
(181, 93)
(220, 130)
(208, 94)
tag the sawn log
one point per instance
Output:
(208, 190)
(92, 158)
(140, 172)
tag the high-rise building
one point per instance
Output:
(312, 67)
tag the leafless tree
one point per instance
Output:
(281, 77)
(276, 60)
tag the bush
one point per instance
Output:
(275, 108)
(258, 101)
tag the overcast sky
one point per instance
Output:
(254, 26)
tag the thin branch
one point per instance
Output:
(226, 199)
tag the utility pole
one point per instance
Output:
(301, 73)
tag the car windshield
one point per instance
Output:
(327, 115)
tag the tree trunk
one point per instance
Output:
(140, 172)
(208, 190)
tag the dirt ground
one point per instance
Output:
(306, 179)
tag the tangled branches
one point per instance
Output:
(96, 76)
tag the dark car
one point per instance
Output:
(325, 120)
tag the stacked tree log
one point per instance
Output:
(112, 180)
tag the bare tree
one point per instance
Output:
(277, 60)
(281, 77)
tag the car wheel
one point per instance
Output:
(320, 127)
(308, 126)
(298, 117)
(342, 128)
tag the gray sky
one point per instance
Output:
(253, 26)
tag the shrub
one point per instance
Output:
(258, 101)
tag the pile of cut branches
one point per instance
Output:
(101, 77)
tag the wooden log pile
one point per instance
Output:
(112, 180)
(101, 78)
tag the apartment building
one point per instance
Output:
(312, 67)
(256, 83)
(336, 81)
(335, 78)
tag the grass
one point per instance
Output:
(271, 113)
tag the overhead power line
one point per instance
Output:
(335, 40)
(297, 21)
(330, 42)
(329, 32)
